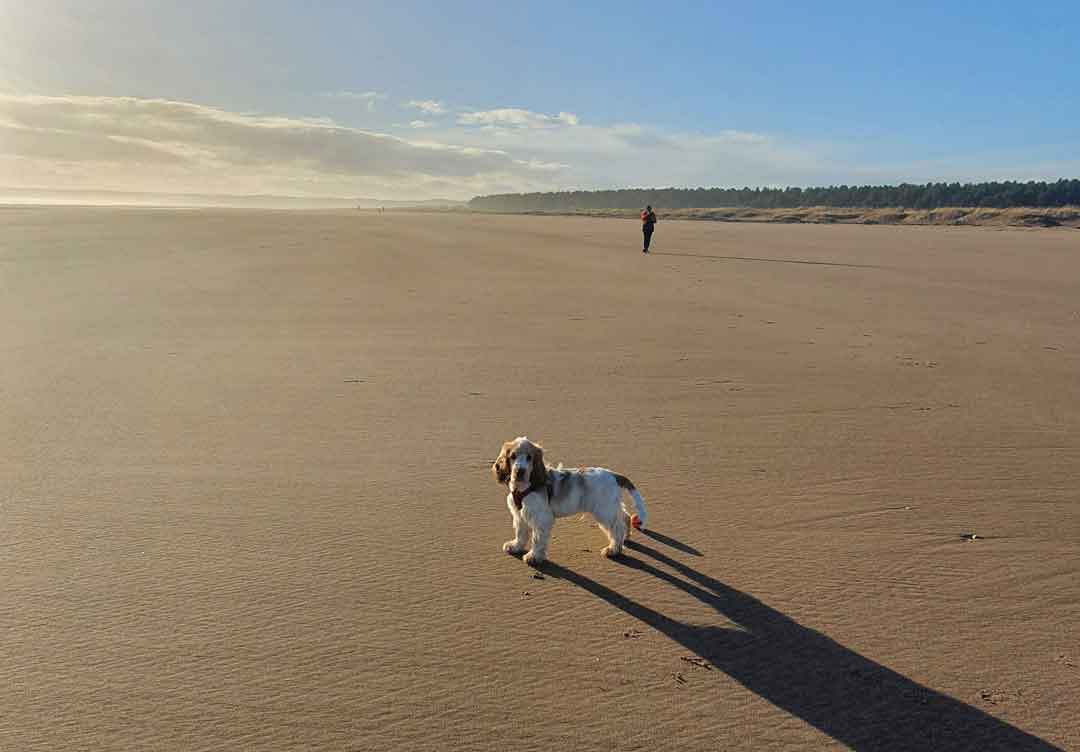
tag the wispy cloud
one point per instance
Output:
(515, 117)
(536, 164)
(140, 141)
(429, 106)
(370, 97)
(631, 154)
(421, 124)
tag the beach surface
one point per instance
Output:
(247, 499)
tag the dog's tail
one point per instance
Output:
(639, 503)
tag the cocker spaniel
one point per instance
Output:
(539, 493)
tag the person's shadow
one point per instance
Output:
(853, 699)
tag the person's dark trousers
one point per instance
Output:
(647, 231)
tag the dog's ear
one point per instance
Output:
(501, 467)
(538, 471)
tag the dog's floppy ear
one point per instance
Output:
(538, 472)
(501, 467)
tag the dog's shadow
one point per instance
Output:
(855, 700)
(672, 542)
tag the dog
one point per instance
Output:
(539, 493)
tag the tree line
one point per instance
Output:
(1002, 195)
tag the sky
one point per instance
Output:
(413, 100)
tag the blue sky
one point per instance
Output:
(533, 95)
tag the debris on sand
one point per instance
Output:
(697, 661)
(992, 697)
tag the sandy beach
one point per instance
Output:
(247, 501)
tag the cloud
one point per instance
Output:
(536, 164)
(371, 97)
(127, 141)
(517, 118)
(420, 124)
(428, 106)
(83, 146)
(633, 154)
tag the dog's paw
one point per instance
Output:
(511, 547)
(533, 559)
(611, 551)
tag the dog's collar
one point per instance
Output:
(519, 496)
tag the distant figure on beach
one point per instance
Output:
(648, 224)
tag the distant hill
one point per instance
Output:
(201, 200)
(1001, 195)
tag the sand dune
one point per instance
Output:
(247, 502)
(970, 216)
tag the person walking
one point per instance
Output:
(648, 224)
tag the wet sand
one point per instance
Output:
(247, 501)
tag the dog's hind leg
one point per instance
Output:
(616, 530)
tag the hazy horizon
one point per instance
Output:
(37, 196)
(327, 103)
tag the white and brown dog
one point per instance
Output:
(538, 493)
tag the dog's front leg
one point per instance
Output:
(539, 517)
(520, 543)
